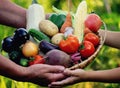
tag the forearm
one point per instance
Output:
(112, 38)
(109, 76)
(12, 70)
(12, 14)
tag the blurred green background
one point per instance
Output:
(108, 57)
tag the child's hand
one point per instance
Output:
(73, 76)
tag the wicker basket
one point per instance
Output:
(86, 62)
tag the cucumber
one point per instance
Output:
(38, 35)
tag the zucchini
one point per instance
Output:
(38, 35)
(35, 13)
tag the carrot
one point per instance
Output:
(67, 23)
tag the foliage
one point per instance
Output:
(107, 58)
(113, 25)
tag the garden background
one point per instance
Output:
(108, 10)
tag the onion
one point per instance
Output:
(30, 49)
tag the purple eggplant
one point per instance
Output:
(46, 46)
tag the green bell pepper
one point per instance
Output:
(58, 19)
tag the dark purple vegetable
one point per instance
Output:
(7, 44)
(20, 36)
(46, 46)
(57, 57)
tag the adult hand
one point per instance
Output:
(43, 74)
(73, 76)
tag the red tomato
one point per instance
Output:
(87, 50)
(38, 59)
(70, 45)
(93, 22)
(92, 38)
(87, 30)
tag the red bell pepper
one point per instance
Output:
(38, 59)
(70, 44)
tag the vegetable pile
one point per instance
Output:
(62, 39)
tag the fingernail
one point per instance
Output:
(61, 69)
(66, 70)
(49, 85)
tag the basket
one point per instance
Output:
(86, 62)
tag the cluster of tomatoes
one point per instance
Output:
(91, 38)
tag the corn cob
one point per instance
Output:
(79, 19)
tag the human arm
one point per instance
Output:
(40, 74)
(12, 14)
(112, 38)
(10, 69)
(80, 75)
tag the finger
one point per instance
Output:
(55, 69)
(55, 76)
(48, 15)
(49, 86)
(69, 72)
(65, 82)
